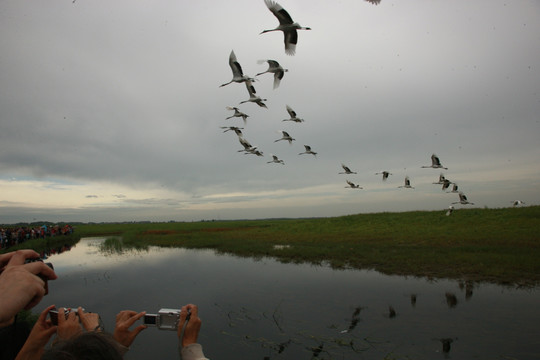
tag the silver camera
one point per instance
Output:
(53, 314)
(165, 319)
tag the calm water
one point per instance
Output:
(252, 309)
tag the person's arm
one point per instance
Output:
(42, 331)
(188, 346)
(20, 286)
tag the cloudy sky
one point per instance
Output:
(111, 110)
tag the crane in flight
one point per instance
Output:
(407, 184)
(347, 170)
(253, 96)
(454, 188)
(463, 199)
(441, 179)
(274, 68)
(238, 74)
(450, 210)
(352, 185)
(292, 114)
(385, 174)
(286, 24)
(308, 151)
(435, 163)
(276, 160)
(236, 129)
(237, 113)
(517, 203)
(285, 136)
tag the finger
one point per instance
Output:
(18, 257)
(38, 289)
(44, 313)
(42, 269)
(134, 317)
(80, 311)
(138, 329)
(61, 316)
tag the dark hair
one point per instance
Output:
(88, 346)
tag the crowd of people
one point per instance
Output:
(18, 235)
(78, 334)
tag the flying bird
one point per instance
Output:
(462, 199)
(236, 129)
(247, 146)
(454, 188)
(308, 151)
(237, 113)
(441, 179)
(276, 160)
(352, 185)
(374, 2)
(435, 163)
(518, 202)
(276, 69)
(347, 170)
(286, 24)
(385, 174)
(292, 114)
(285, 136)
(407, 183)
(450, 210)
(238, 75)
(446, 184)
(252, 95)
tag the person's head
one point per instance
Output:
(88, 346)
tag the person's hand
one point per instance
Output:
(20, 285)
(68, 328)
(90, 321)
(39, 336)
(191, 332)
(124, 320)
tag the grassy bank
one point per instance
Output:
(495, 245)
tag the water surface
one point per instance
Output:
(257, 309)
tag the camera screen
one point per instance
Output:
(150, 319)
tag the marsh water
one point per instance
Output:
(263, 309)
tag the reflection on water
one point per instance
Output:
(262, 309)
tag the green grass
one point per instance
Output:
(495, 245)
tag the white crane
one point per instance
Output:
(463, 199)
(435, 163)
(252, 95)
(247, 146)
(308, 151)
(385, 174)
(238, 75)
(254, 151)
(347, 170)
(374, 2)
(352, 185)
(276, 69)
(450, 210)
(236, 129)
(407, 184)
(292, 114)
(517, 203)
(446, 184)
(454, 188)
(231, 128)
(276, 160)
(286, 24)
(285, 136)
(441, 179)
(237, 113)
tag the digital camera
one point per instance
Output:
(53, 314)
(165, 319)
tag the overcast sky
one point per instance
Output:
(111, 110)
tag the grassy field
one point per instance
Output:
(494, 245)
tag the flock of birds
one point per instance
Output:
(290, 33)
(289, 29)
